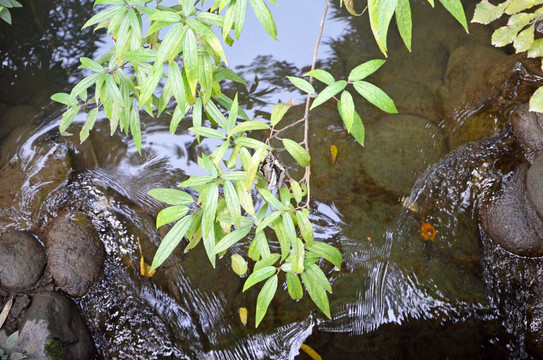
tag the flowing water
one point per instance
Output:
(396, 297)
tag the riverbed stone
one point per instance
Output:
(76, 253)
(22, 260)
(53, 326)
(534, 184)
(399, 148)
(509, 218)
(528, 129)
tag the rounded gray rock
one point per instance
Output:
(534, 184)
(22, 260)
(510, 220)
(76, 254)
(399, 148)
(528, 129)
(53, 324)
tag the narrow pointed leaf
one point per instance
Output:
(171, 214)
(172, 196)
(364, 70)
(231, 239)
(232, 202)
(278, 112)
(346, 110)
(259, 276)
(306, 229)
(264, 16)
(244, 196)
(456, 10)
(264, 298)
(328, 93)
(298, 152)
(375, 96)
(302, 84)
(321, 75)
(170, 241)
(328, 252)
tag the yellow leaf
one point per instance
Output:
(243, 315)
(312, 353)
(144, 267)
(333, 151)
(427, 231)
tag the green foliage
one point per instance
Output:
(11, 341)
(5, 5)
(519, 31)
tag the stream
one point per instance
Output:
(397, 295)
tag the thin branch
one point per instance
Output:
(306, 114)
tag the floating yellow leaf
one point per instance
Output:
(333, 152)
(427, 231)
(144, 267)
(312, 353)
(408, 203)
(243, 315)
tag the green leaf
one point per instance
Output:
(199, 28)
(404, 22)
(271, 199)
(536, 101)
(328, 93)
(135, 128)
(170, 241)
(208, 234)
(231, 239)
(188, 7)
(253, 168)
(302, 84)
(89, 124)
(81, 86)
(251, 143)
(229, 20)
(366, 69)
(210, 19)
(328, 252)
(170, 214)
(298, 153)
(63, 98)
(67, 119)
(485, 12)
(169, 47)
(266, 261)
(259, 247)
(207, 164)
(12, 340)
(241, 9)
(248, 126)
(358, 131)
(278, 112)
(244, 196)
(102, 16)
(171, 196)
(209, 206)
(288, 224)
(346, 110)
(297, 257)
(90, 64)
(524, 39)
(232, 202)
(264, 299)
(321, 75)
(165, 16)
(5, 15)
(234, 175)
(284, 195)
(207, 132)
(233, 115)
(514, 7)
(239, 265)
(281, 234)
(375, 96)
(349, 5)
(506, 34)
(259, 276)
(456, 10)
(380, 13)
(178, 115)
(536, 49)
(190, 56)
(195, 181)
(261, 213)
(319, 277)
(150, 85)
(222, 73)
(113, 89)
(140, 56)
(317, 293)
(265, 17)
(296, 191)
(267, 221)
(306, 229)
(215, 114)
(294, 286)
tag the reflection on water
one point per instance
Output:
(396, 296)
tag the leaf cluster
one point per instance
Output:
(5, 5)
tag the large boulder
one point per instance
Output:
(76, 253)
(534, 184)
(509, 218)
(22, 260)
(53, 328)
(399, 148)
(528, 129)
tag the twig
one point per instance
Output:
(306, 114)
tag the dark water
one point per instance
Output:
(396, 297)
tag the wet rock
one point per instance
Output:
(474, 74)
(76, 254)
(399, 148)
(528, 128)
(22, 260)
(509, 218)
(462, 128)
(15, 117)
(53, 327)
(534, 184)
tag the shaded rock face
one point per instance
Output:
(399, 148)
(54, 320)
(76, 254)
(22, 260)
(528, 128)
(509, 218)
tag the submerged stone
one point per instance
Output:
(509, 218)
(399, 148)
(76, 253)
(22, 260)
(534, 184)
(54, 329)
